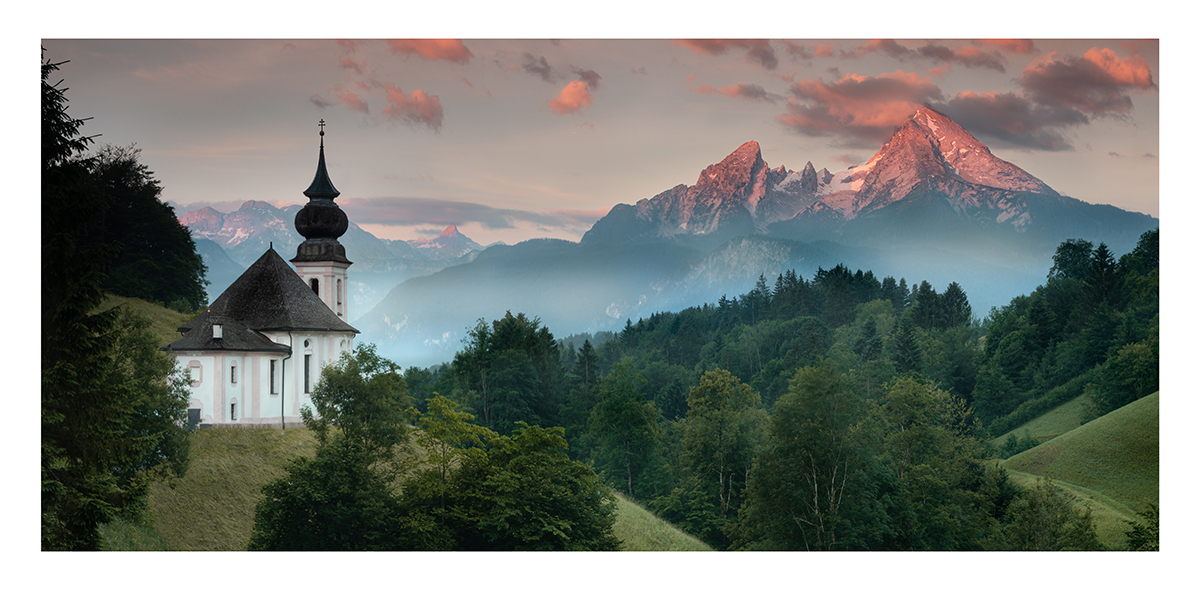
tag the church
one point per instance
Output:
(254, 355)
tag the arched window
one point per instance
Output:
(339, 296)
(195, 373)
(233, 409)
(315, 284)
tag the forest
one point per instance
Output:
(859, 408)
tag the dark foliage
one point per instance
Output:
(111, 412)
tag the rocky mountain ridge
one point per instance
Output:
(929, 153)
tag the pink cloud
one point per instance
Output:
(574, 96)
(351, 64)
(1134, 72)
(578, 94)
(350, 99)
(418, 108)
(858, 107)
(1097, 83)
(451, 50)
(757, 50)
(740, 90)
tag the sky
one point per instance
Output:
(517, 139)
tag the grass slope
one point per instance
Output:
(1110, 464)
(1060, 420)
(641, 530)
(212, 507)
(163, 322)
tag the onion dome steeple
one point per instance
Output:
(321, 221)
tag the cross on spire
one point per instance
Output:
(321, 124)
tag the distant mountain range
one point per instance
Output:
(230, 242)
(932, 204)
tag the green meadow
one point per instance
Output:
(1109, 464)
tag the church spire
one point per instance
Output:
(321, 187)
(321, 221)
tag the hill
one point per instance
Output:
(1110, 463)
(1059, 420)
(163, 322)
(212, 507)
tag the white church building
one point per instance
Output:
(254, 355)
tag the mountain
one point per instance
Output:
(930, 180)
(932, 204)
(243, 235)
(569, 286)
(222, 270)
(448, 245)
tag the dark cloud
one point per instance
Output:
(1014, 119)
(589, 77)
(800, 51)
(969, 56)
(757, 50)
(411, 211)
(537, 66)
(321, 102)
(1097, 83)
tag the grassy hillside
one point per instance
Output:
(163, 321)
(212, 508)
(1109, 464)
(1062, 419)
(641, 530)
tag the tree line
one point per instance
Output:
(112, 403)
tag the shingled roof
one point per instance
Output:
(268, 296)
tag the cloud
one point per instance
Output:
(319, 101)
(537, 66)
(350, 99)
(887, 47)
(1097, 83)
(740, 90)
(578, 94)
(451, 50)
(801, 51)
(418, 108)
(968, 56)
(1009, 45)
(757, 50)
(1014, 119)
(352, 64)
(862, 108)
(414, 211)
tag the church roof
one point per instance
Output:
(269, 296)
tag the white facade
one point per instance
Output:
(329, 281)
(259, 387)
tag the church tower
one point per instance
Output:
(320, 259)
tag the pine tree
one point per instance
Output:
(906, 351)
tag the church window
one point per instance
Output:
(274, 388)
(316, 286)
(307, 373)
(233, 374)
(233, 410)
(194, 373)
